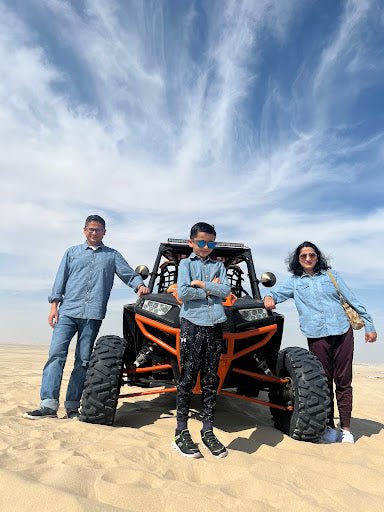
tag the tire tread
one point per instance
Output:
(103, 380)
(311, 404)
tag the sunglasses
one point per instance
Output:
(202, 243)
(310, 255)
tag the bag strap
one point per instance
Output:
(332, 278)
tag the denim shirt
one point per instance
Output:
(318, 305)
(202, 306)
(85, 277)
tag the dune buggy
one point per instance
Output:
(148, 355)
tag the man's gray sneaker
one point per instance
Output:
(213, 444)
(184, 445)
(40, 414)
(72, 414)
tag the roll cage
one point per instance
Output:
(165, 269)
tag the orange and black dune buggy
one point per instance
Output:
(149, 354)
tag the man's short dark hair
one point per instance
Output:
(202, 227)
(95, 218)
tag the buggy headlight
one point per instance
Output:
(253, 314)
(157, 308)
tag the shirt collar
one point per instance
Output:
(316, 274)
(194, 256)
(86, 246)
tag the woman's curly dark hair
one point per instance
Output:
(294, 262)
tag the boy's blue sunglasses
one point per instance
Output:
(203, 243)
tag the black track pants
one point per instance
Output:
(200, 350)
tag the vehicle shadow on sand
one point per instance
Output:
(252, 422)
(144, 412)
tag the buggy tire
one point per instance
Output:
(103, 381)
(307, 392)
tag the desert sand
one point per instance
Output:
(67, 465)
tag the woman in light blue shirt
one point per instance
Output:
(324, 323)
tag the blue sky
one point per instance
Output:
(262, 117)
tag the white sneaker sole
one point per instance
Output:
(348, 441)
(28, 417)
(218, 456)
(196, 455)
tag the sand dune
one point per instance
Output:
(67, 465)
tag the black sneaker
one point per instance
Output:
(72, 414)
(183, 444)
(213, 444)
(40, 414)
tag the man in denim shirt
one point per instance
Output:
(78, 305)
(202, 286)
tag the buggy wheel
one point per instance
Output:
(307, 391)
(103, 381)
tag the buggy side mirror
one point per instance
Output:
(143, 271)
(268, 279)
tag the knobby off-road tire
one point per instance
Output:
(103, 381)
(307, 392)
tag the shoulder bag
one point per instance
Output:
(353, 316)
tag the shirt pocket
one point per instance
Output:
(303, 291)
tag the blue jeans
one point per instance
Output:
(63, 332)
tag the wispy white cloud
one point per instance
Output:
(157, 117)
(345, 55)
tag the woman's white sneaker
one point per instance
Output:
(347, 437)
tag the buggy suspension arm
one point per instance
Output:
(141, 320)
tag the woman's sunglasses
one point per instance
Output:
(203, 243)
